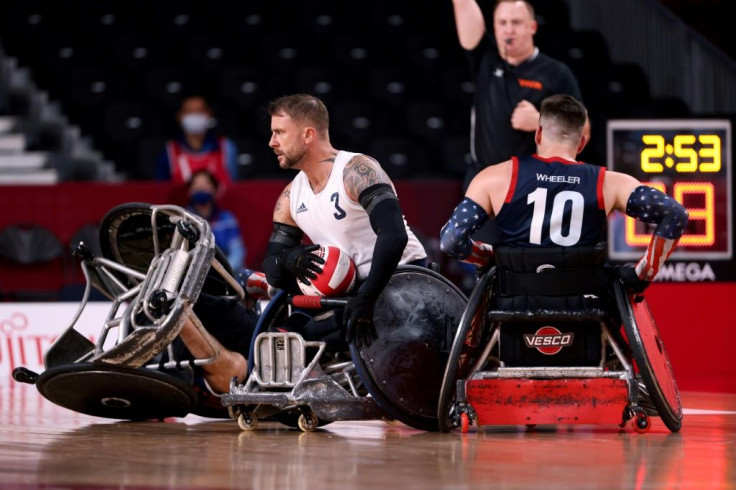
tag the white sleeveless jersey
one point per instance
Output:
(331, 218)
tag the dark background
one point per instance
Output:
(392, 73)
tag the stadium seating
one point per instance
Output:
(401, 158)
(387, 69)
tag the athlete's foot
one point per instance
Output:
(219, 373)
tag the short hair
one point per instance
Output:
(302, 108)
(562, 116)
(211, 177)
(528, 5)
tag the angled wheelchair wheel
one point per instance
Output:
(126, 237)
(651, 357)
(415, 318)
(117, 393)
(473, 333)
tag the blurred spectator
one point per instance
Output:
(512, 78)
(203, 202)
(198, 148)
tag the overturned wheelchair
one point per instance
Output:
(550, 336)
(305, 379)
(156, 262)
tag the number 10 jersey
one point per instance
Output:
(553, 202)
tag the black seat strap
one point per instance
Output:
(555, 282)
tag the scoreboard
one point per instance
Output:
(690, 160)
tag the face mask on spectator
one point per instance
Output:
(201, 197)
(195, 123)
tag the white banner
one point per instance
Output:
(28, 329)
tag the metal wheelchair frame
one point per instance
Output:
(286, 377)
(148, 310)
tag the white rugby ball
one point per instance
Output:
(337, 276)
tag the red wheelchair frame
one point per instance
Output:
(633, 380)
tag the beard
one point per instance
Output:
(292, 159)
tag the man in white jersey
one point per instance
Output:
(339, 198)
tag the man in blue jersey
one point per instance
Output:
(551, 200)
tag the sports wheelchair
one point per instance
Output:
(308, 382)
(156, 261)
(535, 304)
(159, 260)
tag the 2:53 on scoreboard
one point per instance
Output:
(691, 161)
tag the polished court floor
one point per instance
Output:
(42, 445)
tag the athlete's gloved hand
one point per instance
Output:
(301, 262)
(631, 280)
(358, 318)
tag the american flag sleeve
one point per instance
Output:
(653, 206)
(455, 239)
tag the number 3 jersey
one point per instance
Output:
(329, 217)
(553, 202)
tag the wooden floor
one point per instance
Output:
(42, 445)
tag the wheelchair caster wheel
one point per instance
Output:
(641, 422)
(464, 423)
(247, 421)
(233, 412)
(308, 422)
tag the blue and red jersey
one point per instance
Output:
(553, 202)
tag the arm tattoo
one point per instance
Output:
(332, 159)
(280, 201)
(281, 212)
(362, 172)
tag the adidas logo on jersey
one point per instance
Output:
(301, 209)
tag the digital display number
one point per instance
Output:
(689, 160)
(687, 153)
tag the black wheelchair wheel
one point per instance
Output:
(651, 357)
(126, 237)
(116, 392)
(472, 335)
(415, 318)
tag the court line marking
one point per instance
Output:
(699, 411)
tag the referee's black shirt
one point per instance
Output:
(498, 88)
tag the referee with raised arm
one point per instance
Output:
(512, 77)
